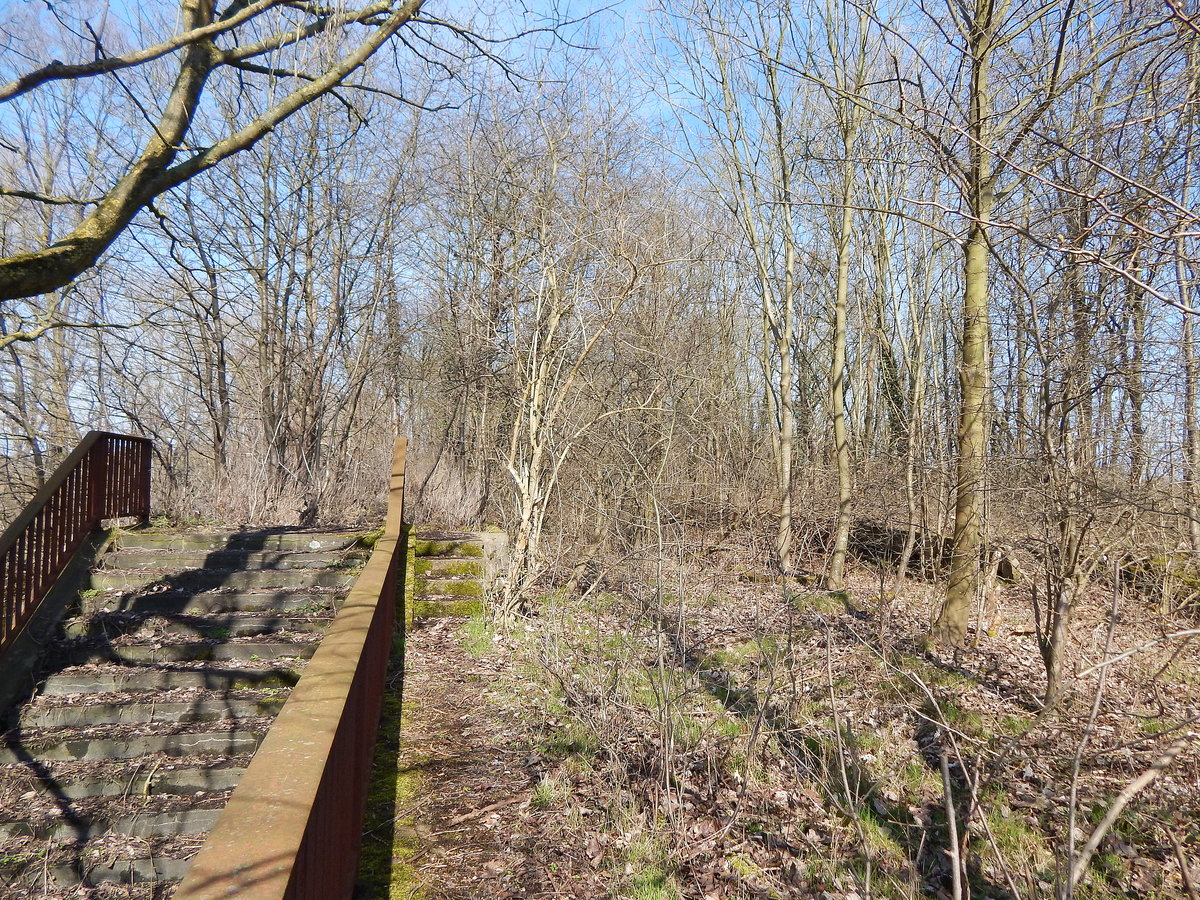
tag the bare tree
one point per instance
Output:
(267, 39)
(738, 91)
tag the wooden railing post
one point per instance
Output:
(143, 506)
(97, 463)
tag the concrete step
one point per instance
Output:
(199, 603)
(122, 778)
(110, 679)
(238, 738)
(191, 651)
(30, 869)
(427, 588)
(491, 546)
(206, 580)
(140, 558)
(449, 567)
(135, 713)
(438, 607)
(169, 823)
(156, 869)
(216, 625)
(166, 685)
(433, 544)
(439, 554)
(240, 541)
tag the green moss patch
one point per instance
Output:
(830, 603)
(368, 540)
(274, 680)
(446, 548)
(390, 843)
(448, 568)
(425, 608)
(386, 869)
(446, 587)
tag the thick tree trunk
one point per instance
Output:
(1191, 368)
(951, 624)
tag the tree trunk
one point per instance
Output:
(1140, 458)
(1054, 643)
(1191, 443)
(837, 387)
(951, 624)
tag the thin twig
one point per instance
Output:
(1131, 790)
(952, 828)
(1076, 763)
(1189, 632)
(1185, 872)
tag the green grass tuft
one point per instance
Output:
(549, 793)
(477, 635)
(650, 877)
(652, 886)
(572, 739)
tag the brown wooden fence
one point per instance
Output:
(106, 477)
(293, 825)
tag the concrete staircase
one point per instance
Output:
(452, 570)
(153, 699)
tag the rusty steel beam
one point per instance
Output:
(293, 825)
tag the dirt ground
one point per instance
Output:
(473, 828)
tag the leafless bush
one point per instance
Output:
(444, 493)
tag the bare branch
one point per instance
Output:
(51, 199)
(52, 267)
(59, 71)
(1079, 867)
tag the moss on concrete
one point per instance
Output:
(442, 587)
(390, 843)
(410, 575)
(390, 839)
(426, 565)
(278, 679)
(424, 608)
(369, 539)
(446, 548)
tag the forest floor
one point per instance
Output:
(710, 732)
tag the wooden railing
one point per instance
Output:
(106, 477)
(293, 825)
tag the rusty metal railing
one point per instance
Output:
(106, 477)
(293, 825)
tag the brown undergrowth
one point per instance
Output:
(705, 731)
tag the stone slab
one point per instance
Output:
(229, 743)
